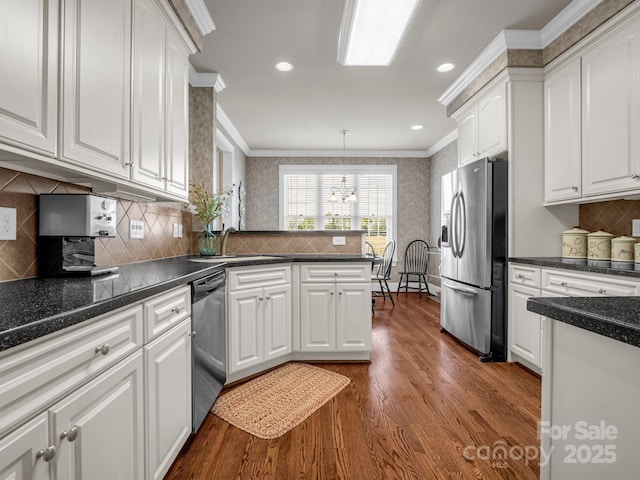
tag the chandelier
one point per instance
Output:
(343, 192)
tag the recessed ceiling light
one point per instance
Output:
(284, 66)
(445, 67)
(417, 127)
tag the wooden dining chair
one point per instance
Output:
(416, 264)
(382, 271)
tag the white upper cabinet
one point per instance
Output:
(482, 125)
(611, 113)
(96, 76)
(29, 85)
(562, 155)
(160, 103)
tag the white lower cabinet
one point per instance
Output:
(22, 452)
(95, 403)
(168, 397)
(335, 316)
(525, 326)
(99, 429)
(259, 317)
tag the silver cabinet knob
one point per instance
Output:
(519, 275)
(103, 349)
(602, 290)
(574, 188)
(193, 334)
(176, 310)
(332, 293)
(635, 176)
(47, 454)
(261, 299)
(268, 297)
(71, 435)
(563, 284)
(339, 293)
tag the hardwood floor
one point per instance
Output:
(425, 408)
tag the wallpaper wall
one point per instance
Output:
(413, 193)
(19, 258)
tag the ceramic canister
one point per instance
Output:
(622, 249)
(574, 243)
(599, 245)
(636, 249)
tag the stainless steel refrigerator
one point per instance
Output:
(474, 256)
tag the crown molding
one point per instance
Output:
(443, 142)
(201, 15)
(340, 153)
(565, 19)
(211, 79)
(225, 122)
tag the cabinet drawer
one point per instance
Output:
(586, 286)
(522, 275)
(165, 311)
(39, 372)
(252, 277)
(339, 272)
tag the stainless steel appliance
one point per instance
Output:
(474, 254)
(208, 347)
(68, 226)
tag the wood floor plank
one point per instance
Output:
(424, 408)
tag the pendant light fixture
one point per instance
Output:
(343, 192)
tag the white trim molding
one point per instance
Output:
(201, 15)
(340, 153)
(225, 122)
(565, 19)
(443, 142)
(209, 79)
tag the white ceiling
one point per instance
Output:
(305, 109)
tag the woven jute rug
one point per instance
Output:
(272, 404)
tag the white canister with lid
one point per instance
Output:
(622, 249)
(599, 245)
(574, 243)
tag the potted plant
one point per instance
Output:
(207, 207)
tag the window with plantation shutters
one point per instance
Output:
(304, 200)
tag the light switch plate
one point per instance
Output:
(136, 229)
(339, 240)
(7, 223)
(635, 227)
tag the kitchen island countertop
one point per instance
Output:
(36, 307)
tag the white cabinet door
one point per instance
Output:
(168, 397)
(19, 457)
(277, 321)
(524, 326)
(318, 317)
(100, 427)
(492, 122)
(245, 327)
(562, 154)
(29, 83)
(611, 114)
(468, 137)
(148, 103)
(177, 118)
(96, 85)
(353, 317)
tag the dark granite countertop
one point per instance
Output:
(35, 307)
(613, 317)
(335, 233)
(610, 268)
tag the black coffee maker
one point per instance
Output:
(68, 227)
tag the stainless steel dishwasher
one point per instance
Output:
(208, 344)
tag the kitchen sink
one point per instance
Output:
(232, 258)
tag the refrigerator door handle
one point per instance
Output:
(452, 222)
(467, 291)
(463, 224)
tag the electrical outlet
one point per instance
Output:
(7, 223)
(136, 229)
(339, 240)
(177, 230)
(635, 227)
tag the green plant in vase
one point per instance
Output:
(207, 207)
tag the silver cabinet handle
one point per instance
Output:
(260, 298)
(635, 176)
(574, 188)
(332, 293)
(103, 349)
(193, 334)
(176, 310)
(268, 297)
(47, 454)
(128, 164)
(563, 284)
(339, 293)
(519, 275)
(602, 290)
(71, 435)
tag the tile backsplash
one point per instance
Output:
(19, 258)
(613, 217)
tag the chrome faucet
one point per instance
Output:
(223, 240)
